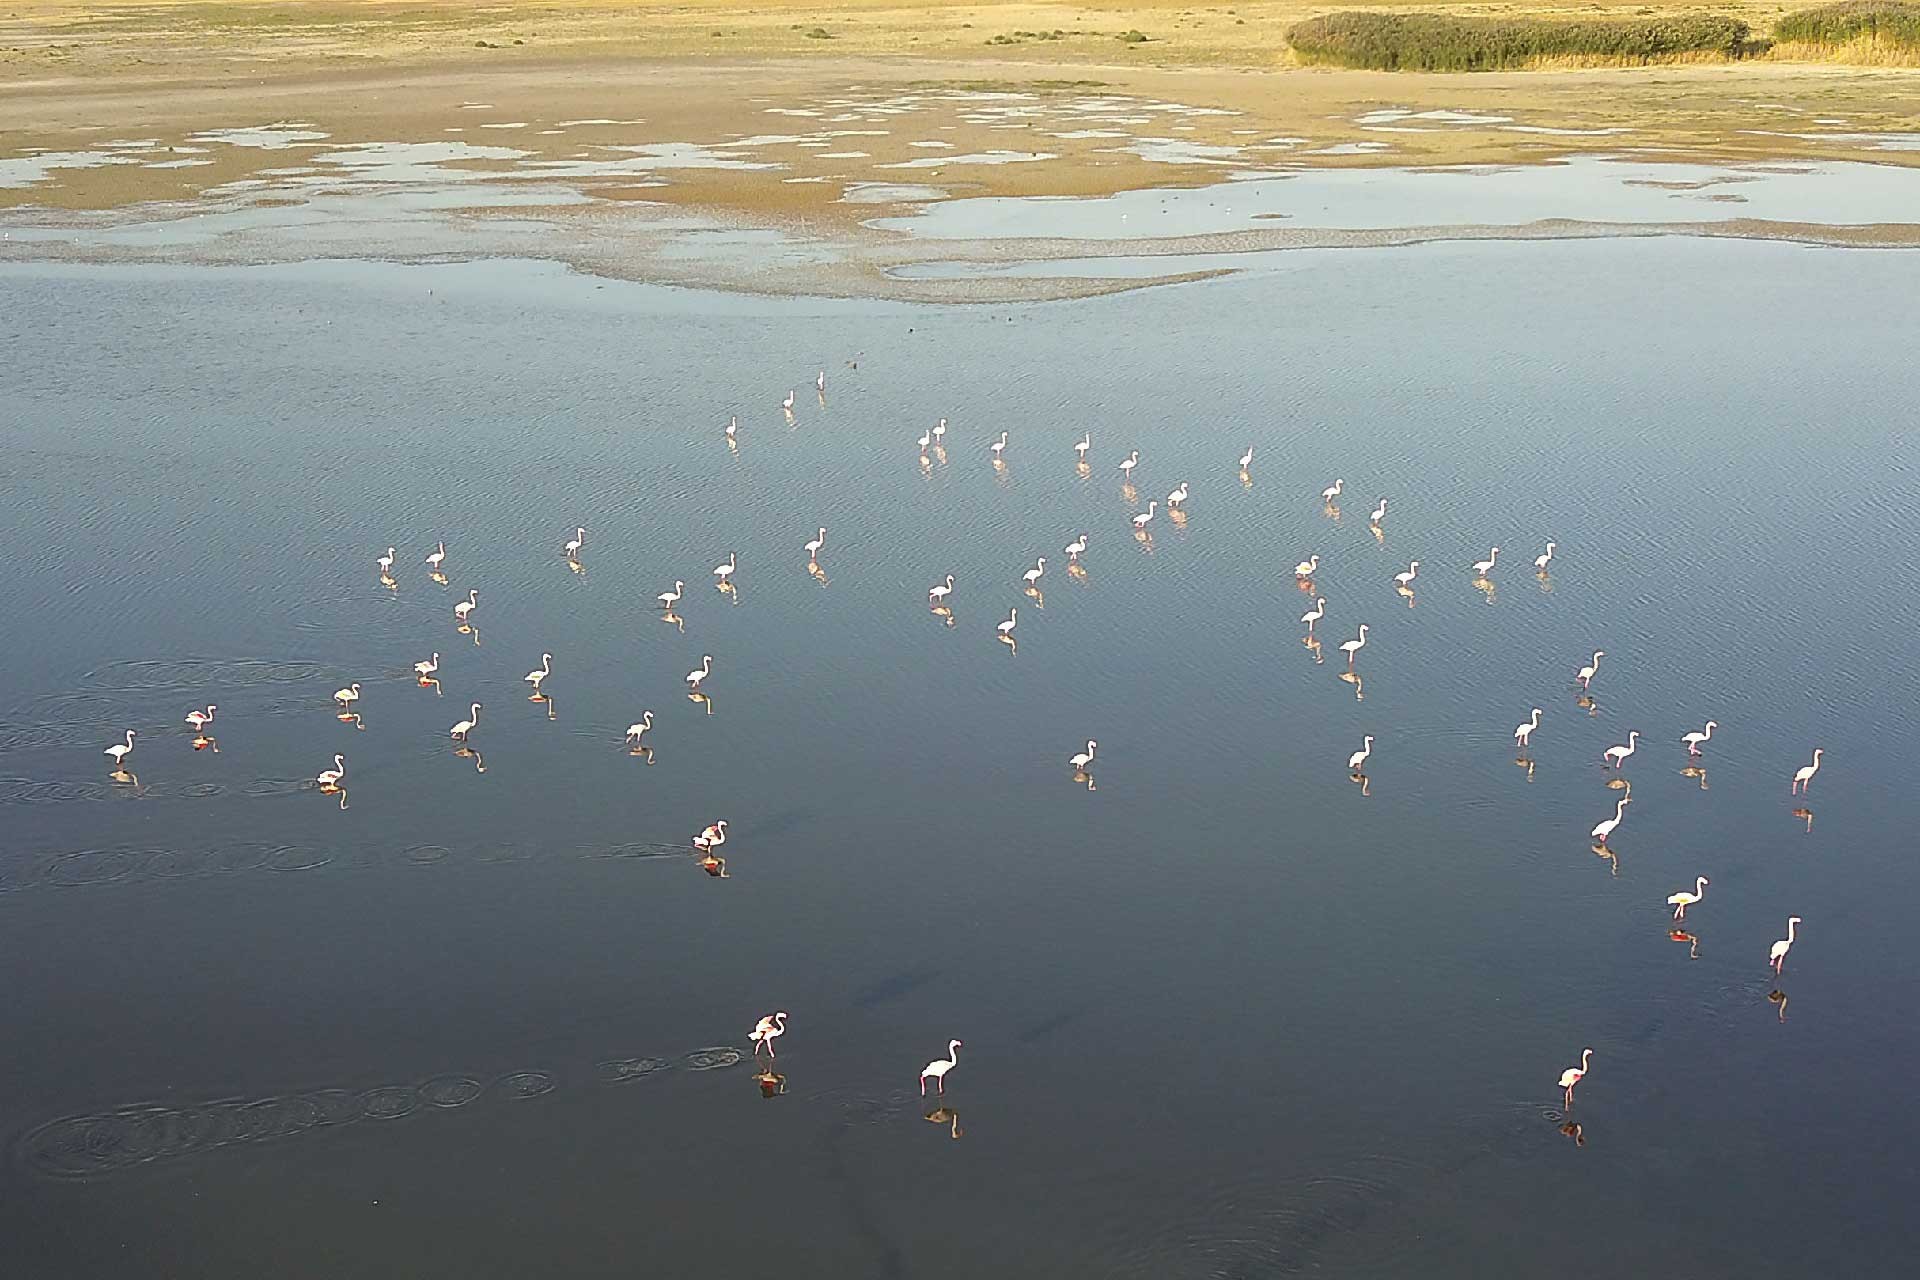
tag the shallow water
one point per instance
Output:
(1228, 1014)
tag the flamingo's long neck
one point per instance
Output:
(1791, 926)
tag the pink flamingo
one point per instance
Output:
(1574, 1075)
(1682, 900)
(767, 1030)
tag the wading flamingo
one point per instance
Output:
(466, 607)
(1314, 614)
(1352, 647)
(1682, 900)
(724, 572)
(1605, 829)
(1308, 567)
(1523, 733)
(1777, 954)
(1141, 521)
(767, 1030)
(712, 837)
(120, 751)
(1246, 459)
(1379, 513)
(813, 548)
(386, 563)
(460, 730)
(939, 1067)
(1358, 759)
(1178, 496)
(1333, 491)
(1585, 674)
(701, 672)
(936, 595)
(201, 719)
(1006, 628)
(1574, 1075)
(538, 675)
(426, 669)
(1481, 568)
(1617, 755)
(330, 778)
(1081, 760)
(1086, 443)
(637, 731)
(1540, 562)
(999, 447)
(1694, 739)
(437, 558)
(1131, 461)
(1804, 776)
(1406, 579)
(348, 696)
(1032, 576)
(1075, 547)
(668, 599)
(572, 550)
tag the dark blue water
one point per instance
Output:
(1230, 1013)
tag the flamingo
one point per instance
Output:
(1585, 674)
(1352, 647)
(437, 558)
(1804, 776)
(712, 837)
(1333, 491)
(732, 427)
(1523, 733)
(1140, 522)
(787, 404)
(939, 1067)
(1358, 759)
(924, 440)
(700, 672)
(813, 548)
(1693, 740)
(1573, 1075)
(1086, 443)
(1605, 829)
(1777, 954)
(1246, 459)
(1081, 760)
(1682, 900)
(937, 593)
(120, 751)
(767, 1030)
(572, 550)
(1032, 576)
(539, 674)
(1379, 513)
(724, 572)
(637, 731)
(386, 563)
(330, 778)
(1006, 628)
(1314, 614)
(1406, 579)
(348, 696)
(1074, 548)
(999, 447)
(668, 599)
(1540, 562)
(1481, 568)
(1617, 755)
(201, 719)
(426, 669)
(460, 731)
(820, 382)
(939, 432)
(465, 607)
(1308, 567)
(1178, 496)
(1131, 461)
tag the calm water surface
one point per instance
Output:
(1227, 1015)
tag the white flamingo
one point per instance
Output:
(1682, 900)
(1178, 497)
(1032, 576)
(1246, 459)
(1127, 465)
(1804, 776)
(1358, 759)
(330, 778)
(999, 447)
(460, 730)
(1617, 755)
(1006, 628)
(1080, 760)
(938, 593)
(1308, 567)
(1481, 568)
(767, 1030)
(1604, 829)
(1145, 518)
(437, 558)
(201, 719)
(539, 674)
(1379, 513)
(1698, 736)
(348, 696)
(818, 541)
(724, 572)
(1777, 954)
(1406, 579)
(1354, 646)
(939, 433)
(1086, 443)
(1585, 674)
(820, 382)
(386, 563)
(701, 672)
(939, 1067)
(668, 599)
(1333, 491)
(579, 539)
(638, 730)
(1314, 614)
(733, 427)
(466, 607)
(712, 837)
(1075, 547)
(787, 404)
(120, 750)
(1541, 561)
(1573, 1075)
(426, 669)
(925, 439)
(1523, 733)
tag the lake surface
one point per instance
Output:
(1230, 1013)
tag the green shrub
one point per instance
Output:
(1434, 42)
(1880, 20)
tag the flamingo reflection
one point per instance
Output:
(947, 1116)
